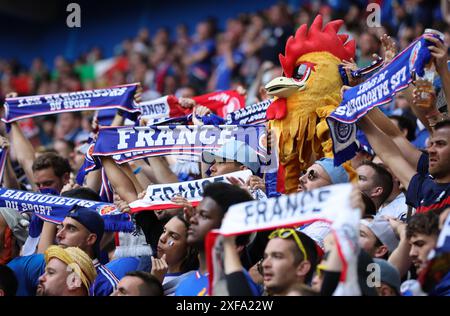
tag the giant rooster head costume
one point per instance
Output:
(305, 95)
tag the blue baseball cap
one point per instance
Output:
(234, 150)
(90, 219)
(336, 174)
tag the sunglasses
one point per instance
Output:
(320, 270)
(312, 174)
(286, 233)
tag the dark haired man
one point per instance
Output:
(290, 258)
(375, 181)
(428, 186)
(83, 228)
(51, 171)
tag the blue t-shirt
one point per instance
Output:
(106, 281)
(122, 266)
(424, 193)
(196, 284)
(27, 269)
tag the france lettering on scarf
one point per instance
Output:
(155, 109)
(118, 97)
(3, 157)
(158, 196)
(252, 114)
(377, 90)
(130, 143)
(329, 204)
(288, 210)
(53, 208)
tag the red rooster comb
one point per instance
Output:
(316, 40)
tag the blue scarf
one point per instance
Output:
(377, 90)
(130, 143)
(53, 208)
(252, 114)
(118, 97)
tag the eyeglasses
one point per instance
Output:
(286, 233)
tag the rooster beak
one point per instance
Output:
(283, 87)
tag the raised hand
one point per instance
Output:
(439, 52)
(255, 182)
(188, 208)
(159, 267)
(389, 47)
(187, 102)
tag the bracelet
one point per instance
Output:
(137, 170)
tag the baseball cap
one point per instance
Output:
(336, 174)
(234, 150)
(383, 231)
(90, 219)
(17, 222)
(389, 274)
(364, 260)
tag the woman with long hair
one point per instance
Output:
(174, 259)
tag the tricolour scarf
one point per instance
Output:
(379, 89)
(158, 196)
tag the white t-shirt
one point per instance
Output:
(397, 208)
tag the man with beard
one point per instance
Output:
(426, 176)
(68, 272)
(417, 239)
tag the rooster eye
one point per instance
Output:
(301, 72)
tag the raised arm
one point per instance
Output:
(25, 151)
(388, 151)
(161, 170)
(400, 256)
(9, 177)
(119, 180)
(410, 153)
(440, 59)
